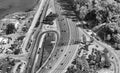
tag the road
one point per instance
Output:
(59, 61)
(65, 49)
(68, 35)
(35, 19)
(36, 37)
(35, 49)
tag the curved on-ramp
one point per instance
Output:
(69, 34)
(34, 49)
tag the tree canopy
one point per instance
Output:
(49, 18)
(95, 13)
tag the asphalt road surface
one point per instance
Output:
(68, 35)
(34, 44)
(66, 48)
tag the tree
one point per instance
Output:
(72, 8)
(71, 69)
(84, 10)
(10, 28)
(101, 16)
(49, 18)
(17, 51)
(117, 1)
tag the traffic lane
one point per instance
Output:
(34, 51)
(71, 51)
(74, 36)
(41, 24)
(52, 61)
(55, 53)
(32, 56)
(35, 19)
(40, 19)
(31, 51)
(64, 34)
(67, 59)
(64, 28)
(39, 54)
(70, 24)
(69, 28)
(79, 37)
(64, 39)
(44, 12)
(74, 31)
(64, 31)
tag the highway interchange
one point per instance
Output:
(66, 47)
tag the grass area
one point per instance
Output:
(47, 43)
(46, 49)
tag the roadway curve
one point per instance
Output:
(35, 20)
(37, 35)
(35, 48)
(71, 52)
(64, 52)
(65, 48)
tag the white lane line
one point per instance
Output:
(60, 59)
(67, 60)
(50, 54)
(40, 46)
(30, 31)
(72, 54)
(71, 60)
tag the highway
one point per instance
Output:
(64, 61)
(58, 62)
(35, 19)
(35, 49)
(35, 45)
(37, 34)
(71, 52)
(68, 35)
(65, 49)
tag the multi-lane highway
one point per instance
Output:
(66, 47)
(34, 22)
(59, 61)
(37, 35)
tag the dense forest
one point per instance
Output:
(100, 16)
